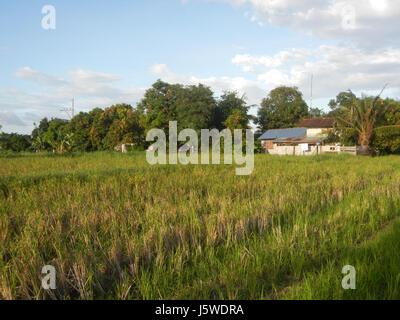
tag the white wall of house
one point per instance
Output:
(313, 150)
(293, 150)
(315, 132)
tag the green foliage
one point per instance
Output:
(192, 106)
(344, 99)
(158, 105)
(343, 135)
(283, 108)
(195, 107)
(361, 116)
(258, 148)
(15, 142)
(316, 113)
(387, 139)
(81, 125)
(38, 144)
(97, 130)
(230, 104)
(116, 125)
(237, 120)
(391, 112)
(41, 129)
(57, 136)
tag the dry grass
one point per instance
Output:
(115, 227)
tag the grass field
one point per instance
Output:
(116, 228)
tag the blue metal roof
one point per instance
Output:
(284, 133)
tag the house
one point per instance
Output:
(307, 139)
(303, 146)
(317, 126)
(268, 138)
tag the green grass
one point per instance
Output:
(117, 228)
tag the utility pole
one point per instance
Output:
(73, 108)
(311, 102)
(68, 110)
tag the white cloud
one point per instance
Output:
(86, 76)
(10, 118)
(283, 58)
(29, 74)
(335, 69)
(48, 94)
(366, 22)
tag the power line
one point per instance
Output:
(70, 111)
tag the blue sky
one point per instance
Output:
(105, 52)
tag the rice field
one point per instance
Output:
(115, 227)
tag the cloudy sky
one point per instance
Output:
(104, 52)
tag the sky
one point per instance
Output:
(105, 52)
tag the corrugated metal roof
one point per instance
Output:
(324, 123)
(300, 140)
(284, 133)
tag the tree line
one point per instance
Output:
(358, 120)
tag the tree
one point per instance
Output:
(387, 139)
(283, 108)
(65, 143)
(57, 136)
(81, 125)
(391, 115)
(361, 116)
(15, 142)
(98, 129)
(237, 120)
(192, 106)
(41, 129)
(228, 104)
(316, 113)
(195, 107)
(38, 143)
(126, 128)
(158, 105)
(343, 99)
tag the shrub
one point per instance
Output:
(387, 139)
(346, 136)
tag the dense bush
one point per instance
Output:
(15, 142)
(346, 136)
(387, 139)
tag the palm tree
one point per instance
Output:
(361, 117)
